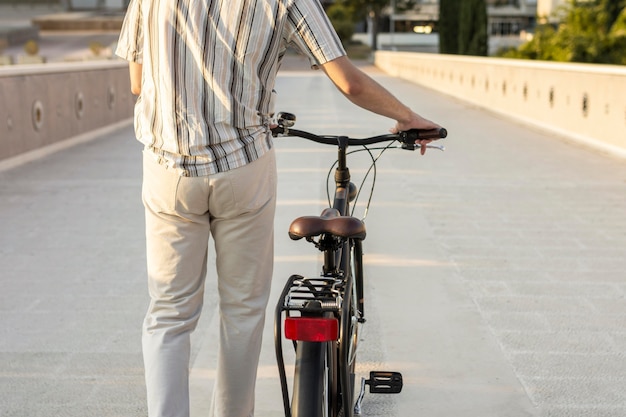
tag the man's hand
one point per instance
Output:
(363, 91)
(423, 144)
(416, 122)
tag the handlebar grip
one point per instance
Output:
(417, 134)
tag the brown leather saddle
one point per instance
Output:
(331, 222)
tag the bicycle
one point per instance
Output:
(321, 315)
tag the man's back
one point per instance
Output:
(209, 69)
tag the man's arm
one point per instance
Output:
(363, 91)
(135, 77)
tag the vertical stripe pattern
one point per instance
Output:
(208, 73)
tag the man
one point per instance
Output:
(204, 71)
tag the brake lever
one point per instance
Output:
(412, 147)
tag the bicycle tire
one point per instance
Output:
(347, 389)
(350, 330)
(310, 385)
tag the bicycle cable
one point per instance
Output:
(372, 166)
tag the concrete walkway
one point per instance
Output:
(495, 270)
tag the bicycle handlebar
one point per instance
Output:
(407, 138)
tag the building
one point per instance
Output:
(509, 23)
(548, 7)
(95, 4)
(511, 17)
(506, 17)
(422, 18)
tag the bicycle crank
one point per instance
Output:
(380, 383)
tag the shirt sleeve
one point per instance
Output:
(310, 31)
(130, 43)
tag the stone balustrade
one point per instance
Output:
(586, 102)
(41, 105)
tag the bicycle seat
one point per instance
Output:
(330, 221)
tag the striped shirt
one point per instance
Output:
(209, 68)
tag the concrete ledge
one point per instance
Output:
(581, 101)
(45, 104)
(81, 21)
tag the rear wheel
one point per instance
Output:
(311, 381)
(349, 363)
(350, 329)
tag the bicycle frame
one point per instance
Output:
(331, 306)
(336, 266)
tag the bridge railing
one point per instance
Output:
(41, 105)
(581, 101)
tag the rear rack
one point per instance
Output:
(318, 294)
(302, 295)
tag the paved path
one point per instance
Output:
(495, 269)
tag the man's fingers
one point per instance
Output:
(423, 144)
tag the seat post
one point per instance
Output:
(330, 265)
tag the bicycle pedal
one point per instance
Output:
(385, 382)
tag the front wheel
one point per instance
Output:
(310, 385)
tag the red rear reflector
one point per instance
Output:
(311, 329)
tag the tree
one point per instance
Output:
(463, 27)
(473, 39)
(590, 31)
(367, 9)
(617, 39)
(341, 16)
(611, 10)
(449, 26)
(372, 11)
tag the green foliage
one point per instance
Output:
(590, 31)
(617, 40)
(463, 27)
(611, 11)
(449, 26)
(473, 39)
(342, 18)
(362, 9)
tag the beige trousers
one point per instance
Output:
(237, 208)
